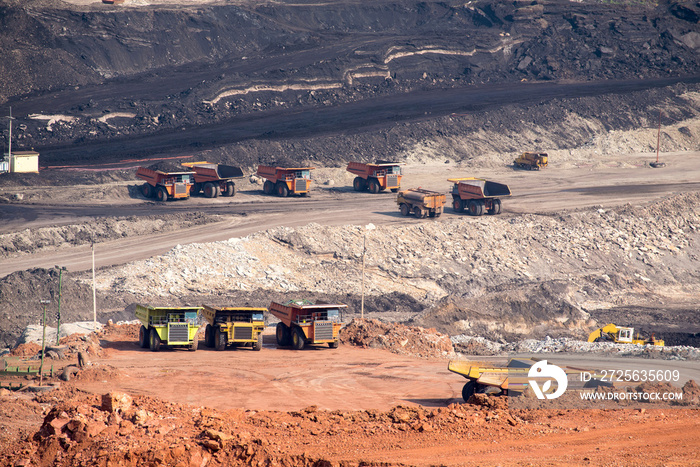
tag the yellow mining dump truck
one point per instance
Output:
(622, 335)
(304, 323)
(169, 326)
(422, 203)
(532, 160)
(512, 379)
(234, 326)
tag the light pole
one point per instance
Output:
(364, 250)
(58, 316)
(9, 142)
(43, 343)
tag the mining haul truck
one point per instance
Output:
(234, 326)
(622, 335)
(422, 203)
(168, 326)
(165, 185)
(382, 175)
(477, 195)
(513, 378)
(303, 323)
(531, 160)
(214, 179)
(284, 181)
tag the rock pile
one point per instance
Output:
(471, 345)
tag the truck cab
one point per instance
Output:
(376, 177)
(285, 181)
(234, 327)
(304, 323)
(168, 326)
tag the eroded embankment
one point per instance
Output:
(528, 275)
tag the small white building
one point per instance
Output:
(24, 162)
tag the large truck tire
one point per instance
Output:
(154, 340)
(257, 345)
(161, 194)
(468, 390)
(405, 209)
(194, 344)
(220, 339)
(374, 186)
(147, 190)
(298, 339)
(333, 345)
(359, 184)
(143, 337)
(230, 189)
(209, 336)
(283, 335)
(419, 212)
(476, 208)
(495, 207)
(458, 205)
(282, 189)
(210, 190)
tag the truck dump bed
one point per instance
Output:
(294, 312)
(478, 188)
(218, 315)
(155, 177)
(365, 170)
(207, 171)
(513, 377)
(279, 173)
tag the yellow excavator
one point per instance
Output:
(621, 335)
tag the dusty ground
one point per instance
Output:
(351, 406)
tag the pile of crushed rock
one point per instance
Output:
(476, 345)
(601, 258)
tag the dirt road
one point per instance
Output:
(349, 378)
(619, 180)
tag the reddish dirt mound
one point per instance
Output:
(26, 350)
(397, 338)
(691, 393)
(125, 331)
(118, 429)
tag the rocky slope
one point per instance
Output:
(501, 277)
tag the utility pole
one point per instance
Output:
(43, 343)
(94, 294)
(657, 164)
(362, 302)
(364, 251)
(9, 143)
(58, 316)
